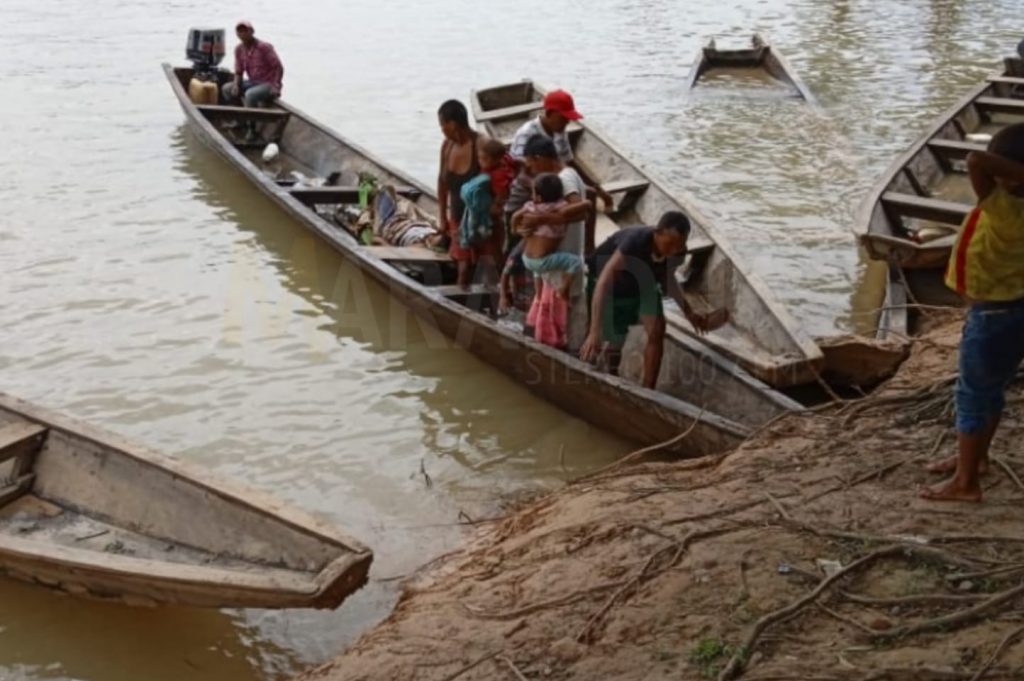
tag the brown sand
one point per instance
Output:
(664, 570)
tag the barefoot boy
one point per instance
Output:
(987, 268)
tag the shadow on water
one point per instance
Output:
(494, 409)
(122, 643)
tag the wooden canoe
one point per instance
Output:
(93, 515)
(912, 215)
(760, 56)
(761, 337)
(695, 385)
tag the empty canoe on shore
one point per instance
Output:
(760, 60)
(90, 514)
(911, 217)
(761, 336)
(695, 387)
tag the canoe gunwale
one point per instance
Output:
(430, 304)
(781, 375)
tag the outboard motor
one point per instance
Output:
(205, 49)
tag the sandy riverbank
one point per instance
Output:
(707, 568)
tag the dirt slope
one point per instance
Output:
(708, 568)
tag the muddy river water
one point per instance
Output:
(147, 287)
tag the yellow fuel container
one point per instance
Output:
(202, 91)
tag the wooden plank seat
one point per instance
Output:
(20, 442)
(626, 192)
(509, 112)
(626, 186)
(341, 194)
(936, 210)
(405, 254)
(242, 112)
(1000, 105)
(1005, 80)
(954, 150)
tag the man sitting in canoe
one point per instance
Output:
(627, 276)
(256, 59)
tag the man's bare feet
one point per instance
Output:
(948, 465)
(951, 490)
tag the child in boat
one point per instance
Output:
(987, 268)
(497, 164)
(540, 251)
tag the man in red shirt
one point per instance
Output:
(257, 60)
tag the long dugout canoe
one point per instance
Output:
(696, 385)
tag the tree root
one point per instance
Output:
(998, 651)
(722, 512)
(920, 599)
(917, 543)
(1012, 474)
(471, 665)
(738, 660)
(607, 471)
(512, 666)
(1007, 569)
(544, 605)
(954, 619)
(845, 620)
(645, 574)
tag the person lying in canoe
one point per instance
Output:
(986, 267)
(627, 276)
(392, 220)
(258, 60)
(559, 111)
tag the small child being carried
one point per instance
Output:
(540, 252)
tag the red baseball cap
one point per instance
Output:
(561, 101)
(244, 24)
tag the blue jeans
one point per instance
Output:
(253, 94)
(991, 351)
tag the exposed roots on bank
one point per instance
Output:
(805, 554)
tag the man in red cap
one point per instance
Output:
(257, 60)
(559, 111)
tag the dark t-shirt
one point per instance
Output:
(642, 270)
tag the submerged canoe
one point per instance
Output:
(761, 336)
(695, 386)
(761, 57)
(911, 217)
(90, 514)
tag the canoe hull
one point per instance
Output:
(652, 417)
(762, 337)
(107, 519)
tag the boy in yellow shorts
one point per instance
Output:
(987, 268)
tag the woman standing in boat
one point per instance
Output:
(458, 166)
